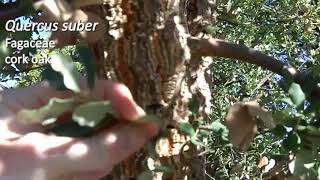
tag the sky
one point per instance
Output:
(43, 35)
(6, 1)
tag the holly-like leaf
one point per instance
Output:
(218, 127)
(93, 114)
(187, 129)
(71, 129)
(54, 108)
(296, 94)
(63, 64)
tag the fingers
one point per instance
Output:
(39, 95)
(31, 97)
(19, 161)
(86, 176)
(65, 156)
(100, 153)
(121, 98)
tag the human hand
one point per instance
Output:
(28, 153)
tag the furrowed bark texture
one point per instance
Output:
(145, 47)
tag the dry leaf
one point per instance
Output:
(88, 17)
(242, 126)
(54, 10)
(241, 121)
(271, 164)
(57, 11)
(256, 110)
(263, 162)
(163, 147)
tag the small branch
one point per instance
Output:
(221, 48)
(22, 70)
(82, 3)
(230, 21)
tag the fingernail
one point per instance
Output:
(139, 113)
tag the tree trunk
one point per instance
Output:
(145, 47)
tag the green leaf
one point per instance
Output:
(210, 29)
(204, 132)
(310, 133)
(54, 78)
(71, 129)
(26, 6)
(146, 175)
(163, 168)
(4, 52)
(194, 140)
(219, 128)
(63, 64)
(187, 129)
(229, 5)
(93, 114)
(22, 35)
(279, 131)
(54, 108)
(313, 107)
(3, 32)
(292, 142)
(288, 101)
(296, 94)
(86, 59)
(194, 105)
(302, 165)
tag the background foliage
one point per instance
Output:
(286, 29)
(289, 31)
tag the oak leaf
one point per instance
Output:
(241, 120)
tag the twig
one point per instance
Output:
(264, 80)
(82, 3)
(221, 48)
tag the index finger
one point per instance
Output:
(39, 94)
